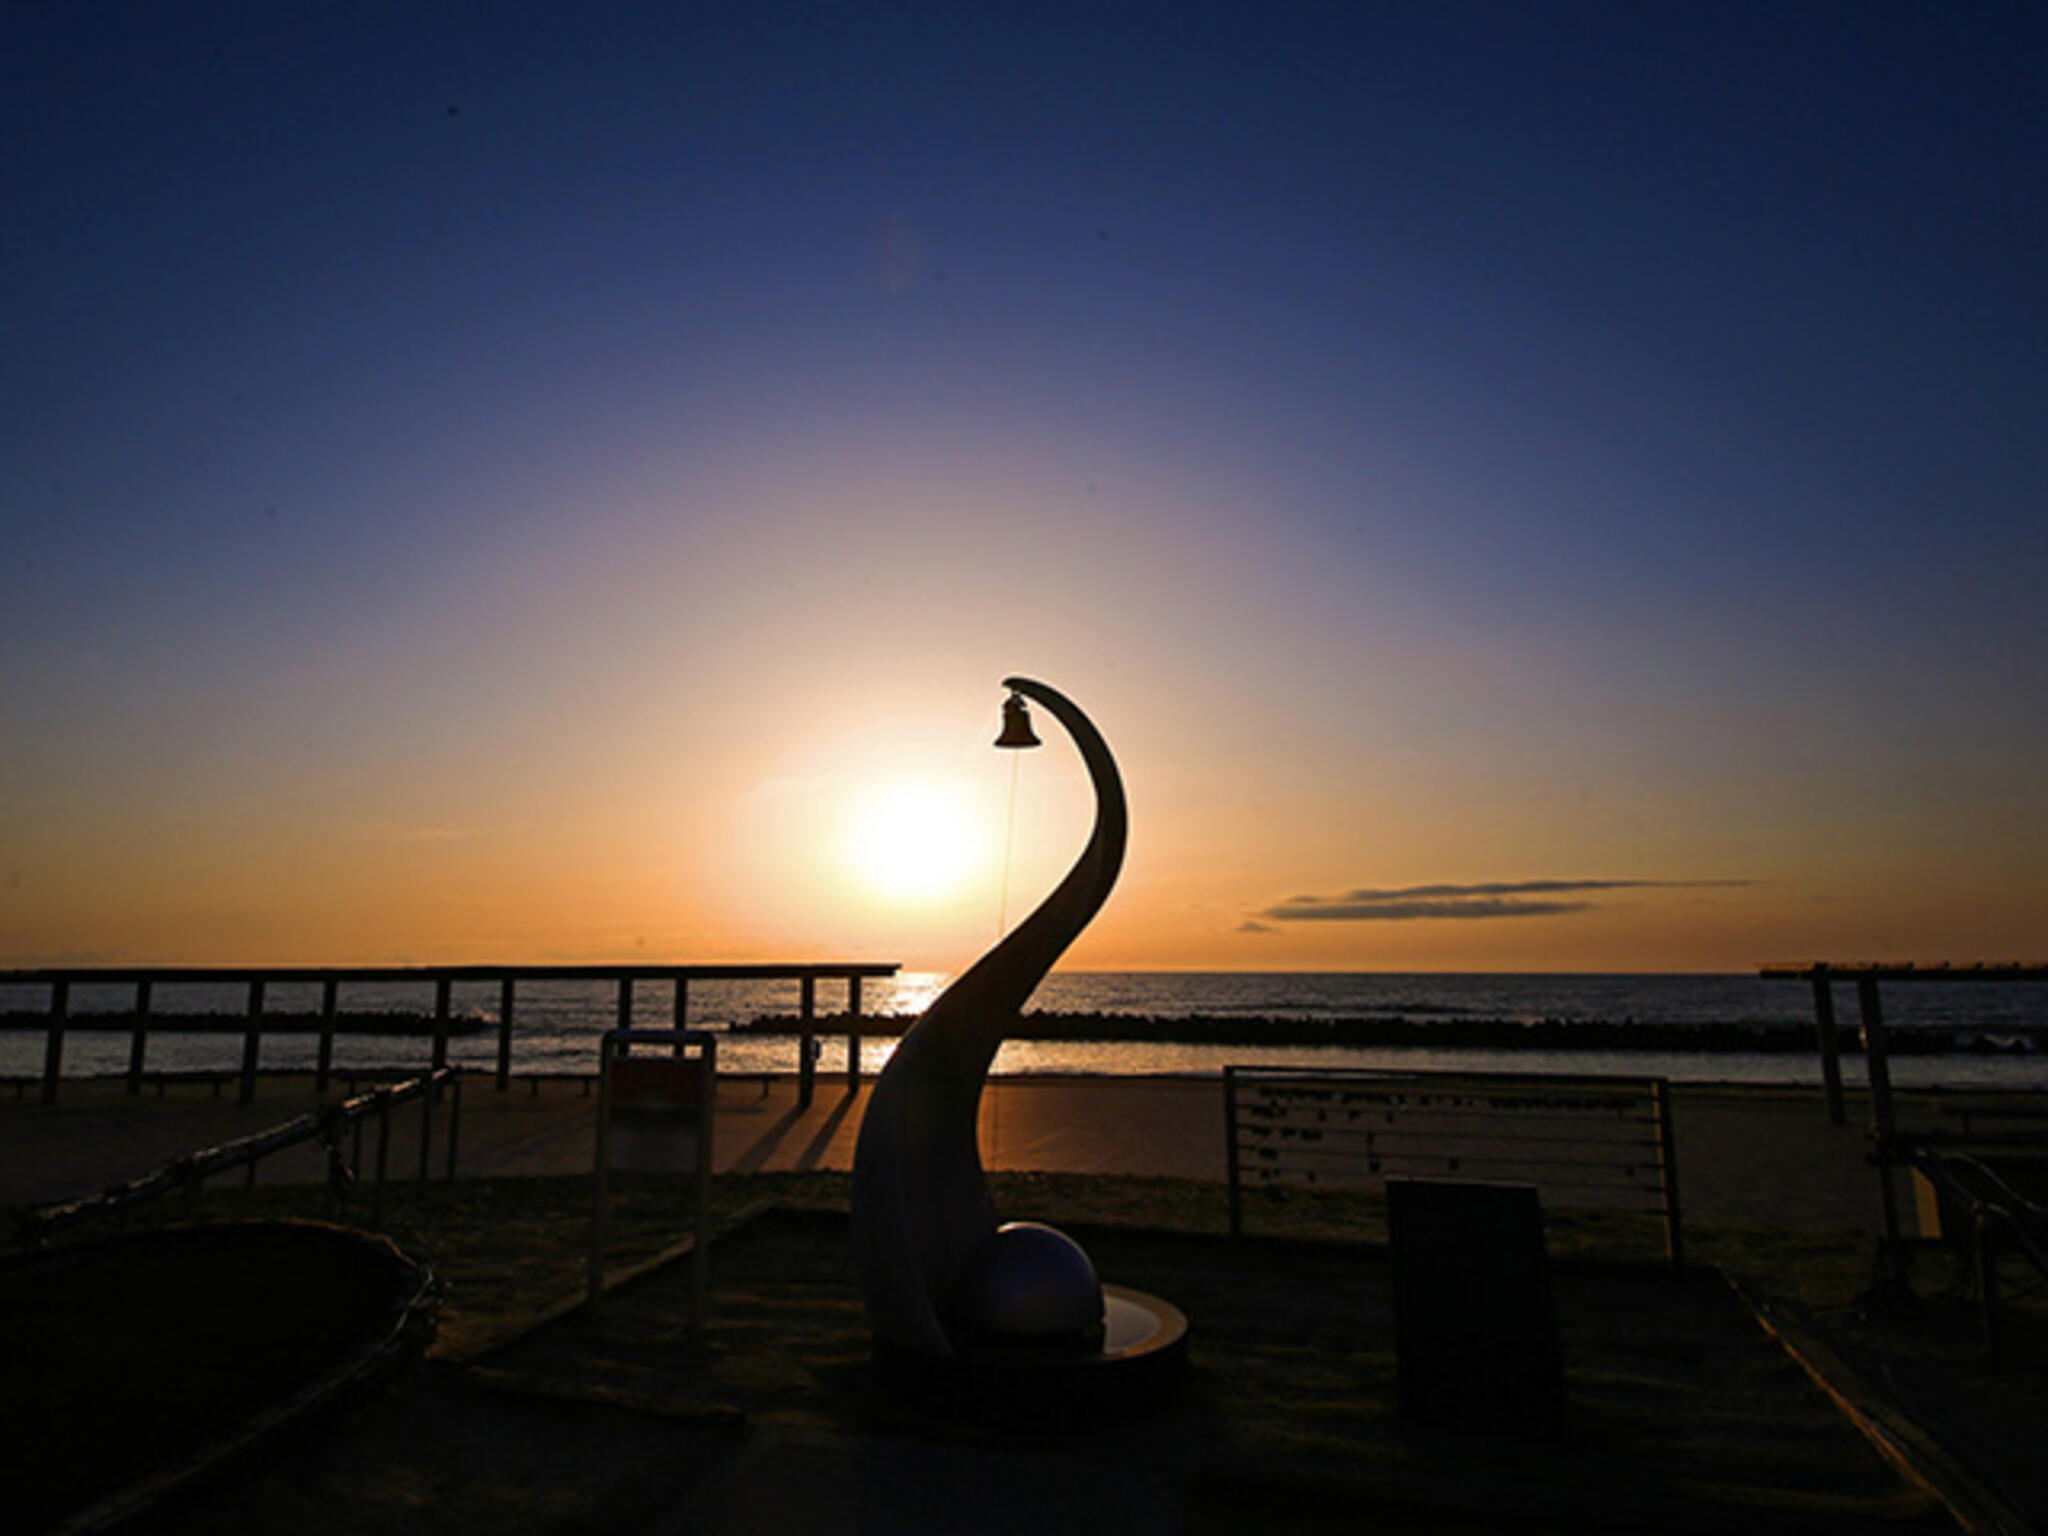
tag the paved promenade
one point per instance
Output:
(1751, 1157)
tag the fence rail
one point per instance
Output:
(187, 1175)
(443, 978)
(1599, 1143)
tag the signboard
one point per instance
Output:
(1475, 1328)
(655, 1114)
(655, 1120)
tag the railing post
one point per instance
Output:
(383, 1154)
(333, 1123)
(852, 1032)
(429, 1092)
(1830, 1053)
(1230, 1148)
(1985, 1237)
(681, 1015)
(700, 1214)
(252, 1040)
(625, 1019)
(330, 1008)
(593, 1286)
(1877, 1062)
(1877, 1056)
(454, 1119)
(442, 989)
(138, 1041)
(53, 1045)
(1667, 1154)
(807, 1042)
(504, 1034)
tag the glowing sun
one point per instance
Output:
(913, 842)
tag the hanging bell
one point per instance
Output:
(1017, 730)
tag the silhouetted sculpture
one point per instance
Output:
(943, 1278)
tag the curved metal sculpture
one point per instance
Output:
(921, 1208)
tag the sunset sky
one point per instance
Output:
(1520, 486)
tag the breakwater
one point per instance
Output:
(1401, 1032)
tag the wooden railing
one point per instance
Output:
(1866, 974)
(1888, 1150)
(330, 979)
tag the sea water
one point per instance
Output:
(557, 1024)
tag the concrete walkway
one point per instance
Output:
(1748, 1157)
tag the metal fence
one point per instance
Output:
(1595, 1143)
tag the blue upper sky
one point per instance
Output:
(1563, 441)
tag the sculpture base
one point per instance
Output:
(1137, 1372)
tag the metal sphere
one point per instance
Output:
(1031, 1285)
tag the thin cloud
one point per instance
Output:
(1498, 898)
(1409, 911)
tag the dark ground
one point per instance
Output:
(1682, 1412)
(1681, 1415)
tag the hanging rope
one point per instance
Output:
(1009, 842)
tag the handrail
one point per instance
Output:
(624, 970)
(188, 1172)
(1990, 1203)
(61, 979)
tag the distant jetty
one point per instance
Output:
(1398, 1031)
(368, 1022)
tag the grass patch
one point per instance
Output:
(509, 1250)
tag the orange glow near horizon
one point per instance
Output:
(879, 835)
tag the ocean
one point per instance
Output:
(557, 1024)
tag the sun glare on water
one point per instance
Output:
(914, 842)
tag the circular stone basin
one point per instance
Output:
(1137, 1324)
(1137, 1372)
(135, 1364)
